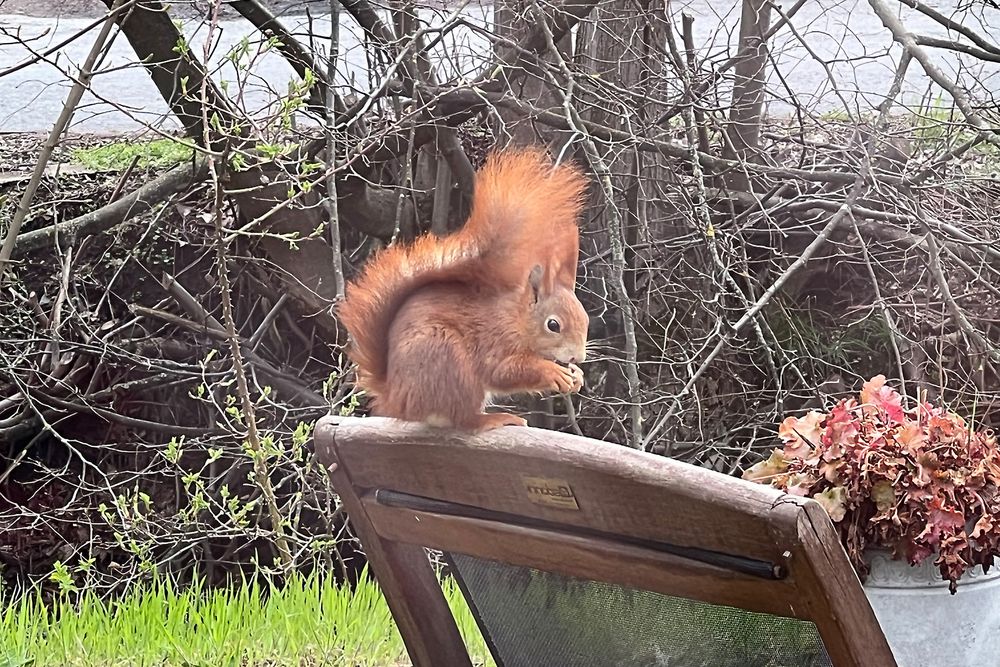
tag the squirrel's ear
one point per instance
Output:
(535, 280)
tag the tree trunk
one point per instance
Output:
(155, 39)
(746, 113)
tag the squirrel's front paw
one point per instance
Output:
(577, 373)
(566, 379)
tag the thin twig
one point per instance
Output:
(256, 447)
(333, 215)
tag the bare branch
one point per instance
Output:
(909, 42)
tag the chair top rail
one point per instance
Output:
(568, 479)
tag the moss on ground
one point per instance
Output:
(159, 153)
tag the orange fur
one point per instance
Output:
(440, 324)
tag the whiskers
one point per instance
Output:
(592, 348)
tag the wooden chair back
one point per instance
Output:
(589, 510)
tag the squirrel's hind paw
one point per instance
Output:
(488, 422)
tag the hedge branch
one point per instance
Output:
(135, 203)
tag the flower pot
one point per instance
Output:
(925, 625)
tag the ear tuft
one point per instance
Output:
(535, 280)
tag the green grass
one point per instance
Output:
(117, 156)
(864, 343)
(309, 621)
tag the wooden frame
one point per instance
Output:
(587, 509)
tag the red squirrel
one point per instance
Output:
(441, 325)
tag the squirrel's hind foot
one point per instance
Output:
(492, 420)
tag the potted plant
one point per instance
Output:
(915, 495)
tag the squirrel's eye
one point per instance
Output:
(552, 325)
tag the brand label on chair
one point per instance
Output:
(550, 492)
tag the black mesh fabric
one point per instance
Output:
(538, 619)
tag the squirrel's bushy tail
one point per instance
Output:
(524, 212)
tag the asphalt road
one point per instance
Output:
(844, 32)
